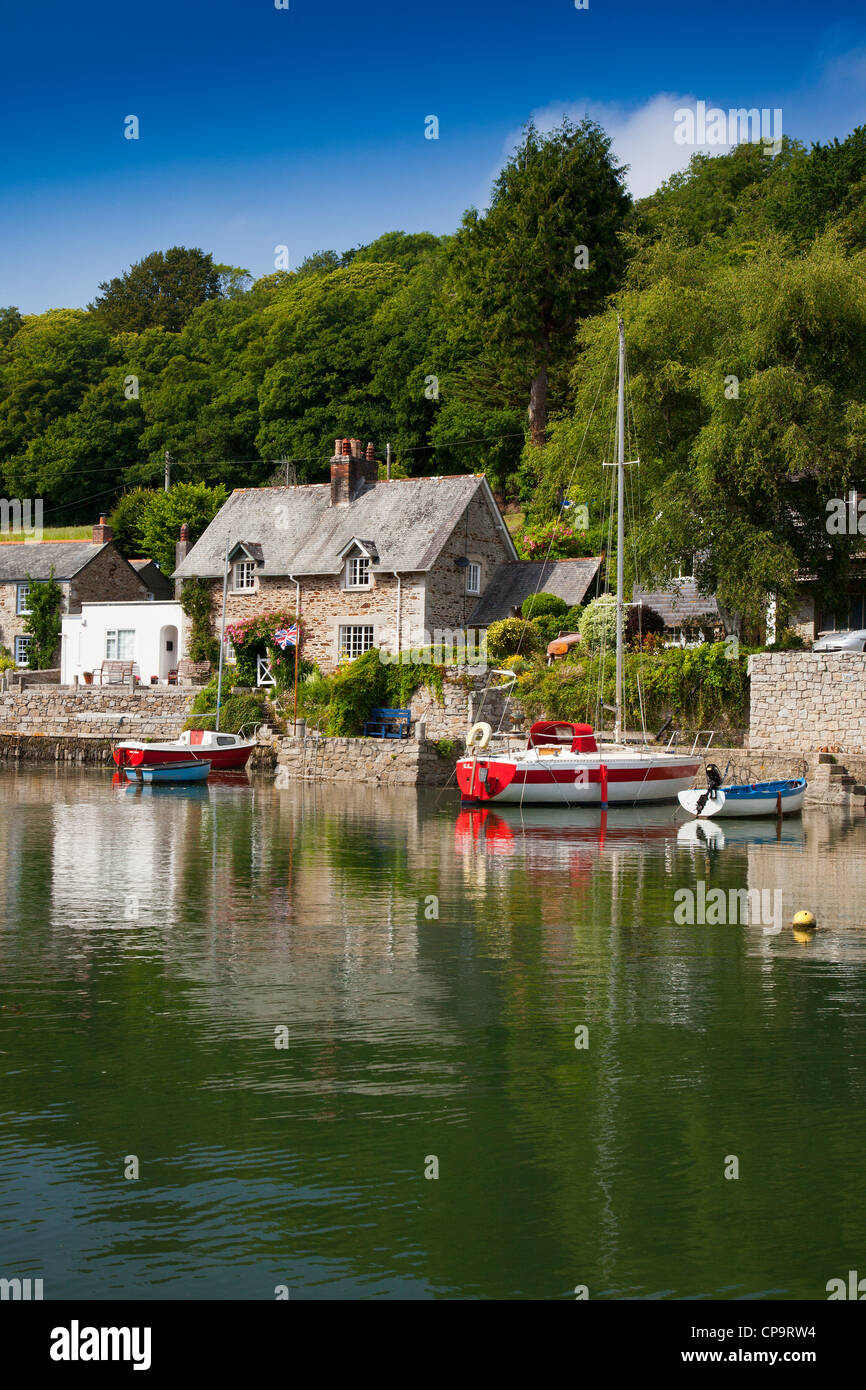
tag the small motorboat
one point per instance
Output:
(223, 750)
(784, 798)
(194, 770)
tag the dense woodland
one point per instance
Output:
(743, 287)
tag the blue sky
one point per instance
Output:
(305, 127)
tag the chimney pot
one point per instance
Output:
(371, 452)
(344, 447)
(102, 532)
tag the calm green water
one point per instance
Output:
(152, 942)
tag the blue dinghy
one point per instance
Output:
(784, 798)
(194, 770)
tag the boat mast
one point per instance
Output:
(620, 524)
(222, 636)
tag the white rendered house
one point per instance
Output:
(149, 634)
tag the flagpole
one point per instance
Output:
(297, 644)
(222, 635)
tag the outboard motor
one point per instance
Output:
(714, 781)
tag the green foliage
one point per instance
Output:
(195, 600)
(514, 294)
(511, 637)
(598, 622)
(701, 688)
(43, 621)
(160, 291)
(237, 712)
(537, 605)
(555, 540)
(368, 683)
(7, 660)
(445, 747)
(164, 513)
(254, 637)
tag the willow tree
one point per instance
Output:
(522, 275)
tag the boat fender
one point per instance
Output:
(479, 736)
(804, 921)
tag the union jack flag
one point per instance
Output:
(286, 636)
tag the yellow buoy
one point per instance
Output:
(804, 921)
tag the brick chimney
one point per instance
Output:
(352, 469)
(183, 546)
(102, 532)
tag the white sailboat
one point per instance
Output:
(562, 763)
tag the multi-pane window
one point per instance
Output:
(22, 648)
(355, 639)
(23, 596)
(245, 575)
(358, 572)
(473, 578)
(120, 644)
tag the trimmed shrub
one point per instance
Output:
(598, 622)
(511, 637)
(537, 605)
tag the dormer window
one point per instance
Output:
(358, 572)
(244, 576)
(473, 578)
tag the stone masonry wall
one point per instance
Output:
(381, 762)
(808, 700)
(477, 537)
(465, 703)
(95, 713)
(13, 624)
(107, 578)
(325, 604)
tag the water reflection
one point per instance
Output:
(430, 967)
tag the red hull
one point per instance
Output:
(219, 758)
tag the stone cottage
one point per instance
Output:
(84, 570)
(372, 562)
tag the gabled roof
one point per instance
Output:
(18, 559)
(251, 549)
(678, 603)
(367, 548)
(512, 583)
(408, 520)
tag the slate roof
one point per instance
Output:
(301, 533)
(514, 582)
(678, 603)
(18, 559)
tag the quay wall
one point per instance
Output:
(381, 762)
(804, 701)
(90, 712)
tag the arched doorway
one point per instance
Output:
(168, 653)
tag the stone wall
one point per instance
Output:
(94, 712)
(477, 537)
(804, 701)
(465, 702)
(107, 577)
(326, 604)
(381, 762)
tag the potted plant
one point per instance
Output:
(88, 677)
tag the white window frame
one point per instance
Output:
(23, 642)
(358, 565)
(23, 593)
(473, 572)
(113, 634)
(349, 643)
(243, 570)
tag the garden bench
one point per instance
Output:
(116, 672)
(388, 723)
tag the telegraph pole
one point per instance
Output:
(388, 462)
(167, 470)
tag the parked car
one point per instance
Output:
(853, 640)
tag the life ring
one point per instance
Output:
(479, 736)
